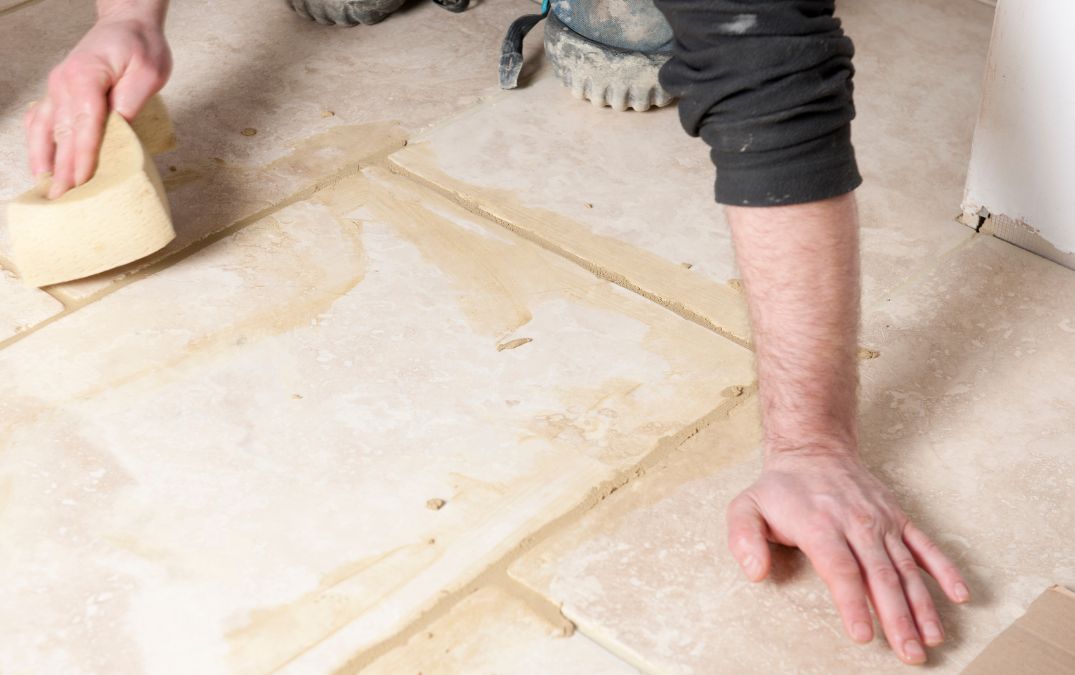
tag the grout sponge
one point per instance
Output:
(119, 215)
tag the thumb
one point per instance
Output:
(135, 87)
(747, 537)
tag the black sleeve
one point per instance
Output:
(767, 84)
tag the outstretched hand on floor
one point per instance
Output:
(848, 524)
(118, 65)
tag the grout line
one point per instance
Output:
(620, 651)
(15, 8)
(552, 612)
(477, 209)
(497, 571)
(72, 305)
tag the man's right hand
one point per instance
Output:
(118, 65)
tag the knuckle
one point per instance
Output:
(864, 525)
(158, 76)
(885, 575)
(87, 117)
(903, 624)
(843, 567)
(907, 566)
(929, 546)
(863, 518)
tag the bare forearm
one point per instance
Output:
(800, 267)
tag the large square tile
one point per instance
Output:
(967, 414)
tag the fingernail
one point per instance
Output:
(913, 651)
(750, 564)
(933, 633)
(961, 592)
(860, 631)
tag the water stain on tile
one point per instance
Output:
(339, 147)
(639, 270)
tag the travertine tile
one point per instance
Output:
(320, 99)
(22, 307)
(491, 631)
(967, 413)
(225, 466)
(632, 194)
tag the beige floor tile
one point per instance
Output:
(319, 98)
(967, 413)
(642, 207)
(490, 632)
(22, 307)
(225, 466)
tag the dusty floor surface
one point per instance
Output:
(443, 379)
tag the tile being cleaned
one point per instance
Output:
(967, 415)
(267, 105)
(631, 194)
(21, 307)
(278, 451)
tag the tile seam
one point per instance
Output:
(498, 569)
(474, 207)
(72, 305)
(15, 8)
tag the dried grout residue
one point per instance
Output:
(496, 575)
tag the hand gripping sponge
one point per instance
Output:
(119, 215)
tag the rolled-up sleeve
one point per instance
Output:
(768, 86)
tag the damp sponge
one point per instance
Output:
(119, 215)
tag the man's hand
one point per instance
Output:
(118, 65)
(862, 545)
(800, 267)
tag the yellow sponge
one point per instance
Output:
(120, 215)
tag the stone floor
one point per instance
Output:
(443, 379)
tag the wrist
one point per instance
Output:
(146, 13)
(841, 442)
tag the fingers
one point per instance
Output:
(838, 568)
(41, 146)
(918, 597)
(79, 108)
(886, 591)
(747, 537)
(63, 166)
(930, 558)
(88, 102)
